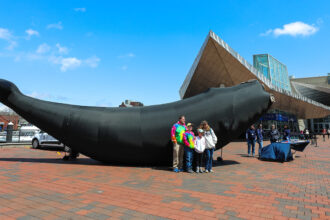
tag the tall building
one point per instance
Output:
(275, 71)
(219, 65)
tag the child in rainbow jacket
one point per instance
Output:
(189, 145)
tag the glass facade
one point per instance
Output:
(273, 70)
(318, 124)
(279, 119)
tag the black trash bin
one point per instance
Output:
(10, 128)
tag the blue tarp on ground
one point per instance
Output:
(276, 151)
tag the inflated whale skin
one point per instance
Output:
(140, 135)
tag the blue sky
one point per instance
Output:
(103, 52)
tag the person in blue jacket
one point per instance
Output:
(251, 139)
(260, 138)
(286, 133)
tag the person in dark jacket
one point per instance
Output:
(251, 139)
(260, 133)
(274, 135)
(286, 133)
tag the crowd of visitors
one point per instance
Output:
(253, 136)
(256, 135)
(196, 150)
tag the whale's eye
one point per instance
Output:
(272, 98)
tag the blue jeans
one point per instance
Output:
(251, 143)
(260, 146)
(189, 153)
(208, 159)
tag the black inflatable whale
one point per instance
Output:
(140, 135)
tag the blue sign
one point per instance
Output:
(277, 117)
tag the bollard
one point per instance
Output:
(10, 128)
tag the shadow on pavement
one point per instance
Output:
(215, 164)
(80, 161)
(245, 155)
(224, 163)
(275, 161)
(50, 148)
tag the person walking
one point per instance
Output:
(251, 139)
(274, 135)
(324, 132)
(307, 136)
(199, 150)
(210, 142)
(177, 131)
(260, 133)
(286, 133)
(189, 145)
(328, 133)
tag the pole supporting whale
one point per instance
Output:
(140, 135)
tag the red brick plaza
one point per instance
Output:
(38, 184)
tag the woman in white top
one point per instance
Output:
(210, 142)
(199, 149)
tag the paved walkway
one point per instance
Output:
(38, 184)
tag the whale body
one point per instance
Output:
(140, 135)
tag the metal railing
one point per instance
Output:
(18, 136)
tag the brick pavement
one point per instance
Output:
(37, 184)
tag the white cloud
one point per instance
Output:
(128, 55)
(80, 9)
(267, 33)
(62, 50)
(43, 48)
(293, 29)
(47, 96)
(68, 63)
(12, 45)
(55, 26)
(38, 95)
(4, 108)
(124, 68)
(6, 35)
(53, 55)
(31, 57)
(31, 32)
(92, 61)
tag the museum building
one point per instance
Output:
(218, 65)
(318, 89)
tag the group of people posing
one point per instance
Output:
(256, 135)
(188, 148)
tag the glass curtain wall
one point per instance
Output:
(273, 70)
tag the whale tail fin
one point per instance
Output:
(6, 88)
